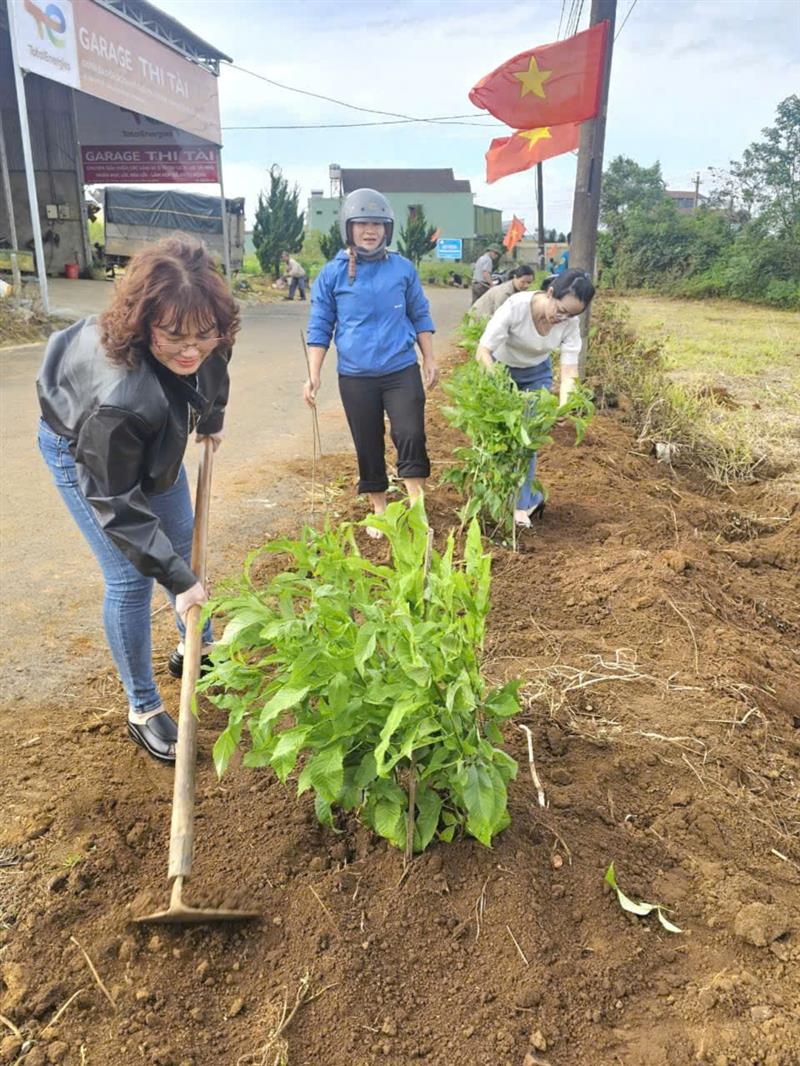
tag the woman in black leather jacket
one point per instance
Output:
(120, 395)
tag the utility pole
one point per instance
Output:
(697, 190)
(586, 205)
(540, 211)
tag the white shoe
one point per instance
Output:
(522, 518)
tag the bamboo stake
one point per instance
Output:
(412, 785)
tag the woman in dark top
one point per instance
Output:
(119, 396)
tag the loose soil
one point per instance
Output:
(657, 626)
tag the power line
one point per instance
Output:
(443, 120)
(561, 19)
(622, 27)
(450, 119)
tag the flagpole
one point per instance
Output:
(586, 205)
(540, 211)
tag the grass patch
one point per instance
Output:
(24, 321)
(685, 423)
(741, 345)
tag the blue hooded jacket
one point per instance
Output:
(376, 319)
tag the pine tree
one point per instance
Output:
(331, 242)
(279, 224)
(416, 237)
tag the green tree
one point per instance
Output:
(765, 183)
(331, 242)
(416, 237)
(279, 224)
(626, 187)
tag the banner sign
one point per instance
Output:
(448, 248)
(149, 164)
(82, 44)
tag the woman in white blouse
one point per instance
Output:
(523, 333)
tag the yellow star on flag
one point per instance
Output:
(533, 79)
(541, 133)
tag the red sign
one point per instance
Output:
(148, 164)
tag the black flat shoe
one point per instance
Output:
(175, 664)
(537, 512)
(158, 736)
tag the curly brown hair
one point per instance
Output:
(175, 285)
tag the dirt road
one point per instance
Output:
(51, 590)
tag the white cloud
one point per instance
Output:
(693, 83)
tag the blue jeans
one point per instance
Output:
(528, 379)
(126, 604)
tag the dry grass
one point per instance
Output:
(689, 423)
(746, 357)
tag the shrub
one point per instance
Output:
(371, 672)
(505, 427)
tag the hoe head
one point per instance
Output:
(180, 913)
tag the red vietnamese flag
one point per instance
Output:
(549, 85)
(509, 155)
(516, 231)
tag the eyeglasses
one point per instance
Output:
(206, 344)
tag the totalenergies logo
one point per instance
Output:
(50, 21)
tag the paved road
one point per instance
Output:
(49, 589)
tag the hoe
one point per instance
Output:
(181, 840)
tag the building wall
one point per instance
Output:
(452, 212)
(488, 221)
(55, 146)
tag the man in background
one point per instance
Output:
(296, 275)
(482, 271)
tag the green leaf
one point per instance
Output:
(504, 702)
(389, 821)
(639, 908)
(481, 802)
(225, 746)
(365, 646)
(367, 770)
(396, 716)
(287, 748)
(284, 698)
(428, 806)
(323, 811)
(326, 772)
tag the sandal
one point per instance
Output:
(157, 733)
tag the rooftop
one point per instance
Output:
(389, 181)
(152, 20)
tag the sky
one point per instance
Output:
(693, 83)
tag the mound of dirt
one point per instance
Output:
(661, 660)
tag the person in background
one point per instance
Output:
(563, 263)
(296, 275)
(482, 271)
(370, 301)
(119, 397)
(520, 280)
(523, 334)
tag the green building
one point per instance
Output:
(447, 201)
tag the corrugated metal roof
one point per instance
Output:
(159, 24)
(388, 181)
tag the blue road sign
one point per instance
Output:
(449, 248)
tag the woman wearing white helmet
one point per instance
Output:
(370, 302)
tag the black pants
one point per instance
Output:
(402, 396)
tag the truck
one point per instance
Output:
(134, 218)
